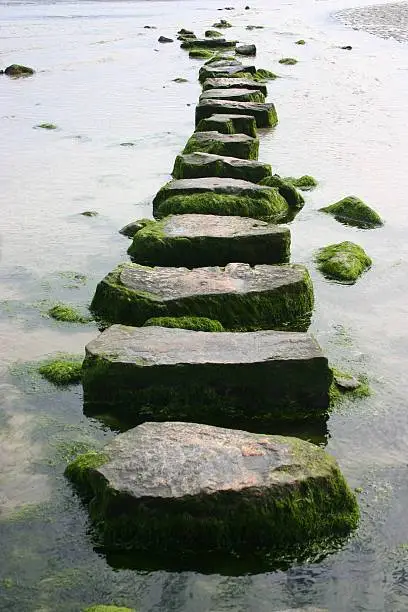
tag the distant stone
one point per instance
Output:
(254, 27)
(180, 80)
(234, 84)
(300, 42)
(248, 50)
(238, 95)
(212, 34)
(239, 296)
(46, 126)
(184, 37)
(223, 62)
(232, 145)
(164, 39)
(199, 165)
(229, 124)
(353, 211)
(343, 262)
(222, 24)
(89, 213)
(16, 70)
(304, 183)
(346, 382)
(224, 71)
(208, 43)
(197, 241)
(293, 197)
(193, 323)
(220, 196)
(288, 61)
(265, 114)
(185, 32)
(132, 228)
(347, 47)
(247, 8)
(149, 27)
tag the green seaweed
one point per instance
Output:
(288, 61)
(64, 312)
(293, 197)
(194, 323)
(300, 42)
(62, 373)
(304, 183)
(343, 262)
(353, 211)
(212, 34)
(200, 53)
(260, 75)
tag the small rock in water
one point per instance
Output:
(89, 213)
(164, 39)
(148, 27)
(132, 228)
(300, 42)
(46, 126)
(347, 383)
(353, 211)
(180, 80)
(246, 50)
(16, 70)
(343, 262)
(288, 61)
(347, 47)
(247, 8)
(254, 27)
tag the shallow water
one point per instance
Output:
(104, 80)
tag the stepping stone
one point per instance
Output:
(246, 49)
(209, 240)
(229, 124)
(169, 487)
(239, 95)
(199, 165)
(208, 43)
(213, 72)
(222, 62)
(238, 296)
(234, 84)
(265, 114)
(232, 145)
(220, 196)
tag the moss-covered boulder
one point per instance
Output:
(133, 227)
(221, 24)
(220, 196)
(288, 61)
(265, 114)
(209, 43)
(17, 70)
(239, 296)
(104, 608)
(197, 241)
(225, 70)
(239, 95)
(212, 34)
(198, 165)
(229, 124)
(190, 488)
(304, 183)
(293, 197)
(247, 50)
(231, 145)
(343, 262)
(194, 323)
(353, 211)
(222, 56)
(200, 53)
(243, 83)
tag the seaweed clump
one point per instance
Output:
(62, 372)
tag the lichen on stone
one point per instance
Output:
(353, 211)
(343, 262)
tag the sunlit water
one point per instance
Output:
(103, 79)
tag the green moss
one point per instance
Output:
(243, 149)
(305, 183)
(183, 168)
(337, 393)
(103, 608)
(200, 53)
(353, 211)
(64, 312)
(292, 196)
(222, 24)
(260, 75)
(46, 126)
(62, 373)
(194, 323)
(219, 57)
(212, 34)
(344, 262)
(288, 61)
(239, 124)
(17, 70)
(80, 470)
(300, 42)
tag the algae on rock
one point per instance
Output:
(304, 183)
(353, 211)
(195, 323)
(199, 165)
(231, 145)
(343, 262)
(293, 197)
(64, 312)
(62, 372)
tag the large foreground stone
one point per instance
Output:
(238, 95)
(234, 84)
(208, 43)
(265, 114)
(199, 165)
(225, 71)
(232, 145)
(239, 296)
(220, 196)
(208, 240)
(172, 488)
(229, 124)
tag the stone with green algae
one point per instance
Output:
(222, 24)
(353, 211)
(67, 313)
(304, 183)
(194, 323)
(226, 70)
(208, 43)
(264, 113)
(229, 124)
(212, 34)
(18, 70)
(231, 145)
(200, 53)
(247, 50)
(62, 372)
(288, 61)
(108, 608)
(209, 240)
(238, 95)
(243, 83)
(293, 197)
(343, 262)
(198, 165)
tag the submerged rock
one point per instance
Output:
(229, 124)
(164, 39)
(239, 296)
(209, 240)
(46, 126)
(353, 211)
(239, 95)
(212, 34)
(232, 145)
(194, 323)
(293, 197)
(265, 114)
(180, 80)
(199, 165)
(67, 313)
(130, 229)
(300, 42)
(62, 372)
(89, 213)
(234, 84)
(200, 53)
(248, 50)
(254, 27)
(288, 61)
(344, 262)
(17, 70)
(209, 43)
(222, 23)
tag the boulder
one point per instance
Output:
(212, 34)
(199, 165)
(343, 262)
(200, 53)
(304, 183)
(16, 70)
(238, 296)
(220, 196)
(234, 84)
(218, 61)
(293, 197)
(353, 211)
(164, 39)
(265, 114)
(184, 488)
(209, 43)
(239, 95)
(232, 145)
(248, 50)
(222, 23)
(131, 228)
(229, 124)
(288, 61)
(196, 241)
(225, 71)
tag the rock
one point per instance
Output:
(220, 196)
(194, 323)
(197, 241)
(248, 50)
(229, 124)
(212, 34)
(343, 262)
(185, 32)
(254, 27)
(300, 42)
(238, 296)
(293, 197)
(46, 126)
(132, 228)
(208, 43)
(247, 8)
(184, 37)
(238, 95)
(164, 39)
(221, 57)
(180, 80)
(347, 47)
(234, 84)
(16, 70)
(178, 488)
(89, 213)
(225, 71)
(223, 62)
(199, 165)
(353, 211)
(288, 61)
(304, 183)
(265, 114)
(232, 145)
(346, 382)
(200, 53)
(149, 27)
(222, 24)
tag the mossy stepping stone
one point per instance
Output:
(208, 240)
(220, 196)
(265, 114)
(232, 145)
(208, 43)
(238, 296)
(229, 124)
(224, 71)
(216, 61)
(293, 197)
(343, 262)
(169, 487)
(198, 165)
(234, 84)
(239, 95)
(353, 211)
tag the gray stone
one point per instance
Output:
(229, 124)
(17, 70)
(210, 240)
(232, 145)
(208, 43)
(265, 114)
(223, 62)
(239, 95)
(164, 39)
(347, 383)
(246, 49)
(199, 165)
(210, 72)
(234, 84)
(132, 228)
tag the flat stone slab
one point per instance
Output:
(239, 95)
(199, 165)
(166, 487)
(232, 145)
(234, 84)
(208, 43)
(225, 71)
(265, 114)
(209, 240)
(220, 196)
(229, 124)
(239, 296)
